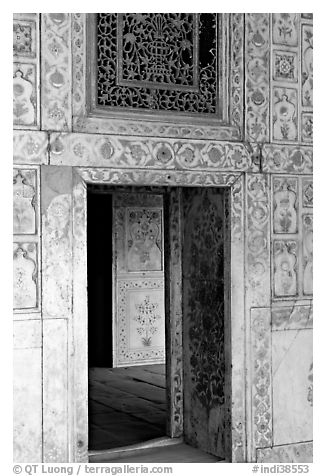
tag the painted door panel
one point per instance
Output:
(138, 271)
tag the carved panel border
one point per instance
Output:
(30, 147)
(234, 182)
(99, 150)
(26, 55)
(287, 159)
(257, 81)
(83, 121)
(262, 377)
(56, 71)
(28, 240)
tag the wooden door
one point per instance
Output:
(138, 279)
(203, 319)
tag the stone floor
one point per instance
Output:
(126, 405)
(180, 453)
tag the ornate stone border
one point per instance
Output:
(102, 150)
(56, 71)
(287, 159)
(30, 147)
(78, 366)
(84, 122)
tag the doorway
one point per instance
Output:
(201, 219)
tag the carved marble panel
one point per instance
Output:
(295, 453)
(261, 366)
(289, 159)
(24, 201)
(157, 177)
(258, 239)
(285, 66)
(144, 240)
(25, 101)
(56, 71)
(307, 66)
(140, 328)
(30, 147)
(285, 268)
(27, 405)
(285, 198)
(119, 151)
(24, 37)
(26, 292)
(285, 28)
(292, 410)
(307, 192)
(307, 127)
(285, 115)
(307, 222)
(257, 76)
(26, 107)
(56, 241)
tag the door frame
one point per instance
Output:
(235, 378)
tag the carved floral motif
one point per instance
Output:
(285, 66)
(307, 66)
(25, 99)
(285, 28)
(261, 366)
(257, 77)
(290, 159)
(307, 220)
(25, 276)
(30, 147)
(119, 151)
(24, 190)
(285, 268)
(285, 207)
(146, 320)
(285, 114)
(56, 81)
(24, 38)
(258, 236)
(307, 192)
(307, 127)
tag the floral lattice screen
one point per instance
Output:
(164, 62)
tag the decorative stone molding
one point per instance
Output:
(295, 453)
(94, 150)
(84, 121)
(261, 377)
(30, 147)
(56, 71)
(26, 80)
(258, 240)
(257, 76)
(292, 318)
(287, 159)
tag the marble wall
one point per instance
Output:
(272, 155)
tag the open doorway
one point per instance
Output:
(126, 324)
(119, 415)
